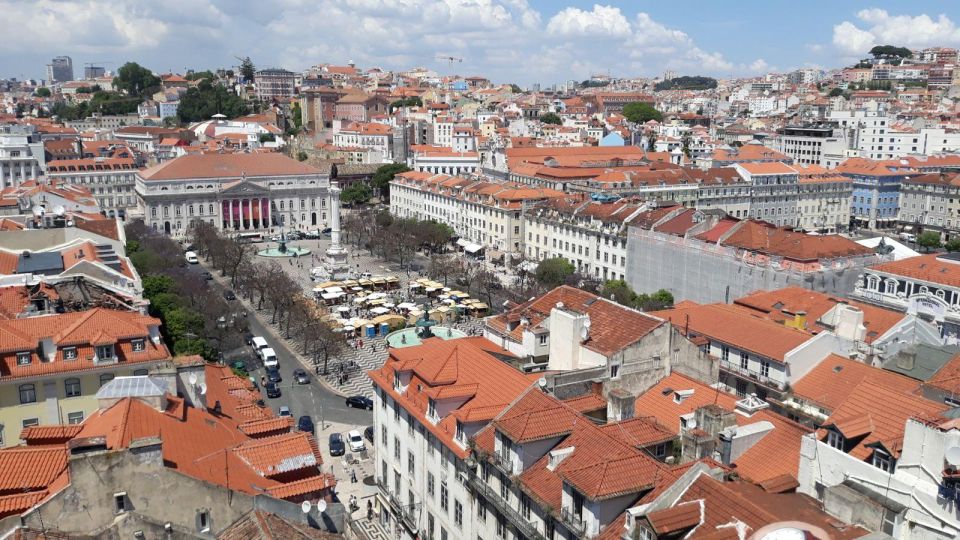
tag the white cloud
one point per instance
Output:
(508, 40)
(601, 21)
(879, 27)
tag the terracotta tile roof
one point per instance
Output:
(947, 378)
(782, 305)
(640, 432)
(612, 478)
(927, 268)
(587, 403)
(749, 153)
(780, 484)
(773, 167)
(30, 468)
(227, 166)
(465, 361)
(681, 517)
(305, 486)
(56, 434)
(281, 454)
(266, 426)
(723, 506)
(870, 167)
(860, 418)
(831, 381)
(736, 327)
(768, 239)
(261, 525)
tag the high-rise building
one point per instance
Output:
(60, 69)
(91, 71)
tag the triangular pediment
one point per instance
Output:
(244, 188)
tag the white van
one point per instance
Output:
(258, 343)
(269, 357)
(908, 237)
(191, 257)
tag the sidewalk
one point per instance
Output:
(365, 488)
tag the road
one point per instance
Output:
(313, 399)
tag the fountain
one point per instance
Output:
(282, 250)
(424, 328)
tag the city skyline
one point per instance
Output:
(506, 40)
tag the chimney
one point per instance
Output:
(906, 360)
(850, 323)
(620, 405)
(800, 320)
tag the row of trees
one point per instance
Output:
(207, 99)
(395, 239)
(268, 288)
(687, 83)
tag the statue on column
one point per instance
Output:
(336, 256)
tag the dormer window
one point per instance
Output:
(139, 345)
(69, 353)
(461, 434)
(883, 460)
(835, 439)
(104, 352)
(396, 380)
(432, 409)
(23, 358)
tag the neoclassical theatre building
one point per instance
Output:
(244, 193)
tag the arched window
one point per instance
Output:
(873, 283)
(28, 393)
(890, 286)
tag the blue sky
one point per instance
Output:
(521, 41)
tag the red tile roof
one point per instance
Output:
(929, 268)
(832, 381)
(765, 238)
(41, 435)
(681, 517)
(228, 166)
(30, 468)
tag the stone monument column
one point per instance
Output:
(336, 257)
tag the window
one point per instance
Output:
(646, 534)
(30, 422)
(744, 360)
(203, 521)
(614, 371)
(23, 358)
(75, 417)
(28, 393)
(835, 439)
(443, 534)
(525, 506)
(139, 345)
(105, 378)
(444, 504)
(542, 338)
(69, 353)
(482, 510)
(430, 526)
(430, 484)
(72, 387)
(396, 448)
(577, 505)
(724, 353)
(383, 435)
(458, 514)
(882, 460)
(104, 352)
(501, 527)
(765, 368)
(410, 463)
(120, 502)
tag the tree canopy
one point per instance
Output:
(553, 272)
(194, 75)
(515, 89)
(43, 91)
(412, 101)
(550, 118)
(247, 69)
(929, 240)
(102, 102)
(639, 112)
(589, 83)
(206, 99)
(383, 176)
(890, 51)
(135, 80)
(356, 193)
(695, 82)
(621, 293)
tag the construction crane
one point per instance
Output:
(449, 59)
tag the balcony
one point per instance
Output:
(504, 463)
(573, 522)
(521, 524)
(750, 374)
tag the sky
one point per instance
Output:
(521, 41)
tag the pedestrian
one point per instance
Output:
(369, 509)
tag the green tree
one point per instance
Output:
(618, 291)
(382, 177)
(356, 193)
(661, 299)
(156, 284)
(890, 51)
(267, 137)
(953, 244)
(835, 92)
(135, 80)
(247, 70)
(639, 112)
(687, 83)
(515, 89)
(929, 240)
(412, 101)
(685, 141)
(302, 156)
(550, 118)
(207, 99)
(43, 91)
(297, 115)
(553, 272)
(193, 76)
(651, 142)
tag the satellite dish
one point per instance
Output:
(321, 506)
(192, 378)
(587, 323)
(203, 389)
(952, 455)
(542, 382)
(584, 332)
(59, 210)
(305, 506)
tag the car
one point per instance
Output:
(305, 424)
(356, 441)
(368, 433)
(207, 275)
(301, 376)
(337, 448)
(284, 411)
(326, 231)
(366, 275)
(248, 338)
(273, 374)
(191, 257)
(312, 235)
(273, 391)
(269, 357)
(360, 402)
(229, 296)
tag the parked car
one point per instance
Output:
(356, 441)
(269, 357)
(313, 235)
(301, 376)
(360, 402)
(258, 344)
(229, 296)
(368, 433)
(273, 374)
(337, 448)
(207, 275)
(248, 338)
(305, 424)
(326, 231)
(273, 391)
(285, 411)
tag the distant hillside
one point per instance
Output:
(687, 83)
